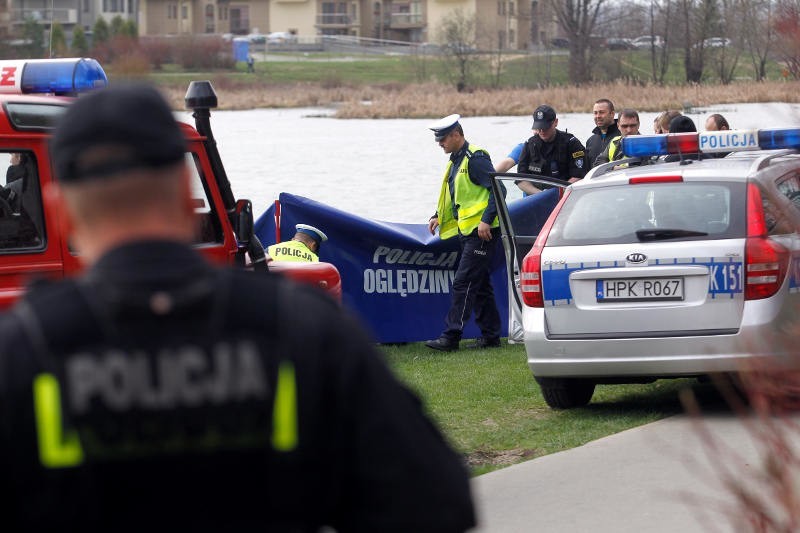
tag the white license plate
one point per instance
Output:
(639, 289)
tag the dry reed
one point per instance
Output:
(433, 99)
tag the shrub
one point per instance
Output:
(198, 52)
(133, 64)
(157, 50)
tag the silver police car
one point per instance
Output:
(672, 269)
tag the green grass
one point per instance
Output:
(519, 70)
(490, 407)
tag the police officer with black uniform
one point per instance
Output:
(467, 209)
(157, 392)
(550, 152)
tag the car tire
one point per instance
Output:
(566, 393)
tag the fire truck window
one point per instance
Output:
(209, 227)
(21, 219)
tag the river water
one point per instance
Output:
(389, 170)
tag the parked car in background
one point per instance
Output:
(664, 270)
(645, 42)
(619, 43)
(717, 42)
(559, 42)
(281, 37)
(257, 38)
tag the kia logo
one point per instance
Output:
(636, 258)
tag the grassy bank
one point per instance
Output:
(491, 409)
(401, 87)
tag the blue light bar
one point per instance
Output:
(51, 76)
(644, 145)
(780, 138)
(711, 142)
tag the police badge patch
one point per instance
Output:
(579, 163)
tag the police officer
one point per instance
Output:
(303, 248)
(159, 392)
(550, 152)
(467, 209)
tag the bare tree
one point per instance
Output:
(758, 35)
(578, 18)
(787, 27)
(724, 55)
(458, 38)
(659, 15)
(699, 20)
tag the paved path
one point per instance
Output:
(656, 478)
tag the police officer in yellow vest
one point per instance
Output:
(303, 248)
(467, 209)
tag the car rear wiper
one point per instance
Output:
(664, 234)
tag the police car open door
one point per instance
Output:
(521, 219)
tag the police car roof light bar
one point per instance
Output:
(64, 77)
(711, 142)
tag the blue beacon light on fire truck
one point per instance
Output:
(64, 77)
(710, 142)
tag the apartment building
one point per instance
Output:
(69, 13)
(507, 24)
(504, 24)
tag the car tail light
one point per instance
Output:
(655, 179)
(766, 261)
(530, 282)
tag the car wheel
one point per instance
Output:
(566, 393)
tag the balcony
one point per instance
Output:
(45, 16)
(402, 21)
(336, 20)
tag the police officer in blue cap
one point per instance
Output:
(467, 209)
(158, 392)
(303, 248)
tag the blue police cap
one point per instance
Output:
(312, 232)
(444, 126)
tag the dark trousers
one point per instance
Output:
(472, 288)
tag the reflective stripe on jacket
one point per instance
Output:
(471, 200)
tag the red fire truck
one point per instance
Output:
(33, 95)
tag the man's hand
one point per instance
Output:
(433, 223)
(528, 187)
(484, 231)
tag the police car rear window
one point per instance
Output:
(27, 116)
(651, 212)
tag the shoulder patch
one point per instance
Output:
(576, 155)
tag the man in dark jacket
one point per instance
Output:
(159, 392)
(605, 130)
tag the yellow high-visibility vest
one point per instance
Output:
(292, 251)
(471, 200)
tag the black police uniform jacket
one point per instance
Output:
(160, 393)
(561, 158)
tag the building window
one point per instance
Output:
(172, 11)
(511, 8)
(209, 18)
(86, 6)
(184, 12)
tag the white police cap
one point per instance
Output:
(312, 232)
(444, 126)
